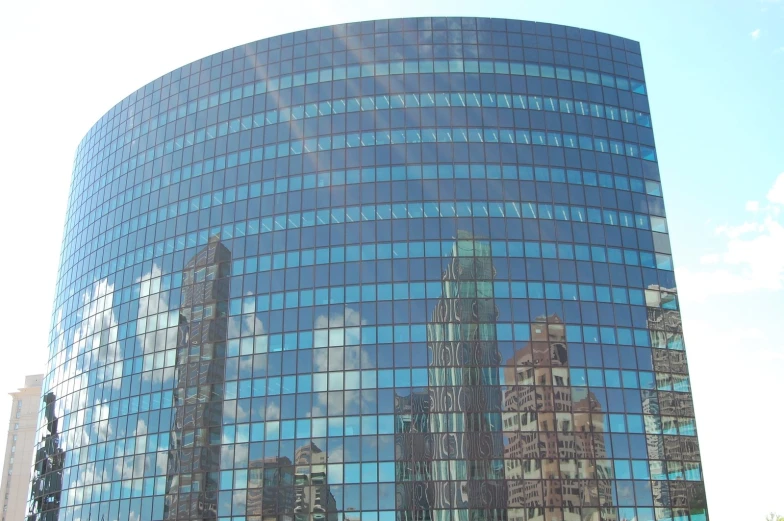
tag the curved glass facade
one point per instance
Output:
(402, 270)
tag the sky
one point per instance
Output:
(715, 78)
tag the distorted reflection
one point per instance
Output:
(516, 444)
(669, 413)
(48, 468)
(194, 454)
(556, 452)
(450, 438)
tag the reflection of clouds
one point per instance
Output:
(118, 467)
(161, 463)
(337, 349)
(152, 316)
(246, 364)
(320, 360)
(243, 414)
(97, 327)
(96, 336)
(141, 427)
(336, 405)
(356, 358)
(239, 501)
(273, 410)
(253, 324)
(319, 429)
(336, 454)
(340, 358)
(246, 325)
(349, 317)
(241, 452)
(343, 332)
(97, 332)
(319, 406)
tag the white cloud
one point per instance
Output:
(753, 258)
(153, 308)
(161, 462)
(243, 415)
(349, 317)
(720, 348)
(755, 34)
(733, 232)
(273, 411)
(711, 258)
(776, 193)
(336, 454)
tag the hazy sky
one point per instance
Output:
(715, 77)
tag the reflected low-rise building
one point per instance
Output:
(555, 456)
(400, 270)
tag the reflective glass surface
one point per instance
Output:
(402, 270)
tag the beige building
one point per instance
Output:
(19, 448)
(556, 460)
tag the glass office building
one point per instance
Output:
(402, 270)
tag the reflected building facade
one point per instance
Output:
(194, 446)
(449, 436)
(279, 488)
(399, 270)
(464, 387)
(669, 408)
(556, 456)
(46, 483)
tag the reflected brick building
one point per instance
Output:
(556, 434)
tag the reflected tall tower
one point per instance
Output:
(194, 454)
(461, 413)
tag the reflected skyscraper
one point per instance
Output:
(465, 391)
(451, 434)
(194, 454)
